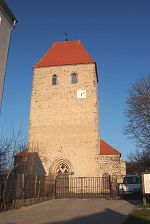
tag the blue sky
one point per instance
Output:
(115, 33)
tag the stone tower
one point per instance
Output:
(64, 110)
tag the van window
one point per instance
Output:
(131, 180)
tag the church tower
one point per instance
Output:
(64, 110)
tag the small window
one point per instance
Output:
(54, 80)
(74, 78)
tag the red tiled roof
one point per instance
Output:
(65, 53)
(106, 149)
(22, 153)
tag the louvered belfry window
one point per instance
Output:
(54, 80)
(74, 78)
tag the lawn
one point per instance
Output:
(140, 216)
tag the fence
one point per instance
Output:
(20, 189)
(83, 187)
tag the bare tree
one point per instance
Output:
(138, 123)
(138, 161)
(16, 157)
(138, 113)
(3, 158)
(9, 146)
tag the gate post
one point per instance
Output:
(55, 180)
(15, 178)
(113, 187)
(39, 188)
(81, 187)
(23, 186)
(110, 186)
(2, 195)
(35, 186)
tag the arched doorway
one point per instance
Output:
(62, 180)
(106, 182)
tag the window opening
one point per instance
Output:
(54, 80)
(74, 78)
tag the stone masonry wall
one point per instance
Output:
(63, 127)
(112, 165)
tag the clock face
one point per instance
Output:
(81, 94)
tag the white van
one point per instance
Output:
(131, 184)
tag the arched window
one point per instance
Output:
(54, 80)
(74, 78)
(62, 169)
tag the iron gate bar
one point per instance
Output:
(83, 187)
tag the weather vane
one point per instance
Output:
(66, 36)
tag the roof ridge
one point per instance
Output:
(66, 41)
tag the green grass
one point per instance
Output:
(140, 216)
(145, 206)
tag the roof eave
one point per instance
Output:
(36, 66)
(8, 13)
(119, 154)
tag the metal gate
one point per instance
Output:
(83, 187)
